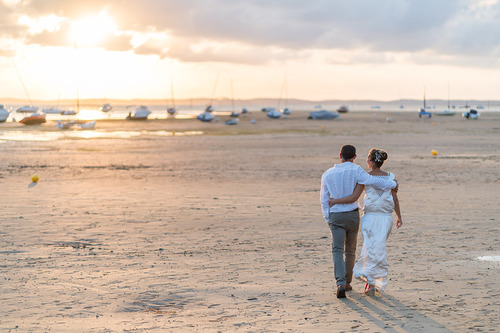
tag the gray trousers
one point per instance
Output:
(344, 228)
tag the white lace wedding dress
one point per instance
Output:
(376, 226)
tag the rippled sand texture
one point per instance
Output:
(222, 231)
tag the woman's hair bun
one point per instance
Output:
(378, 156)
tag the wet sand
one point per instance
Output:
(222, 231)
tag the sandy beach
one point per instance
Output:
(177, 226)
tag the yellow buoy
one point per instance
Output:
(434, 152)
(34, 178)
(433, 124)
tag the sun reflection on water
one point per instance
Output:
(91, 115)
(86, 134)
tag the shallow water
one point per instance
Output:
(90, 134)
(489, 258)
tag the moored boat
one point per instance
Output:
(343, 109)
(445, 113)
(205, 117)
(471, 114)
(52, 111)
(34, 119)
(323, 115)
(141, 113)
(69, 112)
(27, 109)
(274, 114)
(105, 107)
(4, 114)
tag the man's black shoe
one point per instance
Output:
(341, 291)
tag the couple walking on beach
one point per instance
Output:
(341, 187)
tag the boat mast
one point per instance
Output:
(172, 93)
(232, 96)
(22, 82)
(424, 98)
(448, 95)
(215, 87)
(77, 84)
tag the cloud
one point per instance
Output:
(282, 29)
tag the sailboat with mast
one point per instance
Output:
(69, 124)
(422, 112)
(172, 110)
(448, 111)
(56, 109)
(27, 108)
(286, 109)
(207, 116)
(35, 118)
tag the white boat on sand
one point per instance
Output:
(141, 113)
(65, 125)
(81, 124)
(471, 114)
(87, 124)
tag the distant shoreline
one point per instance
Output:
(272, 102)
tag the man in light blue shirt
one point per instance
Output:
(343, 219)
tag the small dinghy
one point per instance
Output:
(105, 107)
(65, 125)
(87, 125)
(205, 117)
(323, 115)
(343, 109)
(34, 119)
(141, 113)
(233, 121)
(445, 113)
(27, 109)
(274, 114)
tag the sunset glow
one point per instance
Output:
(91, 30)
(140, 48)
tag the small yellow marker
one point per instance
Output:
(434, 152)
(433, 124)
(35, 178)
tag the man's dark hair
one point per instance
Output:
(348, 152)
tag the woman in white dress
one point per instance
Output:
(376, 225)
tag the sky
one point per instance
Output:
(242, 49)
